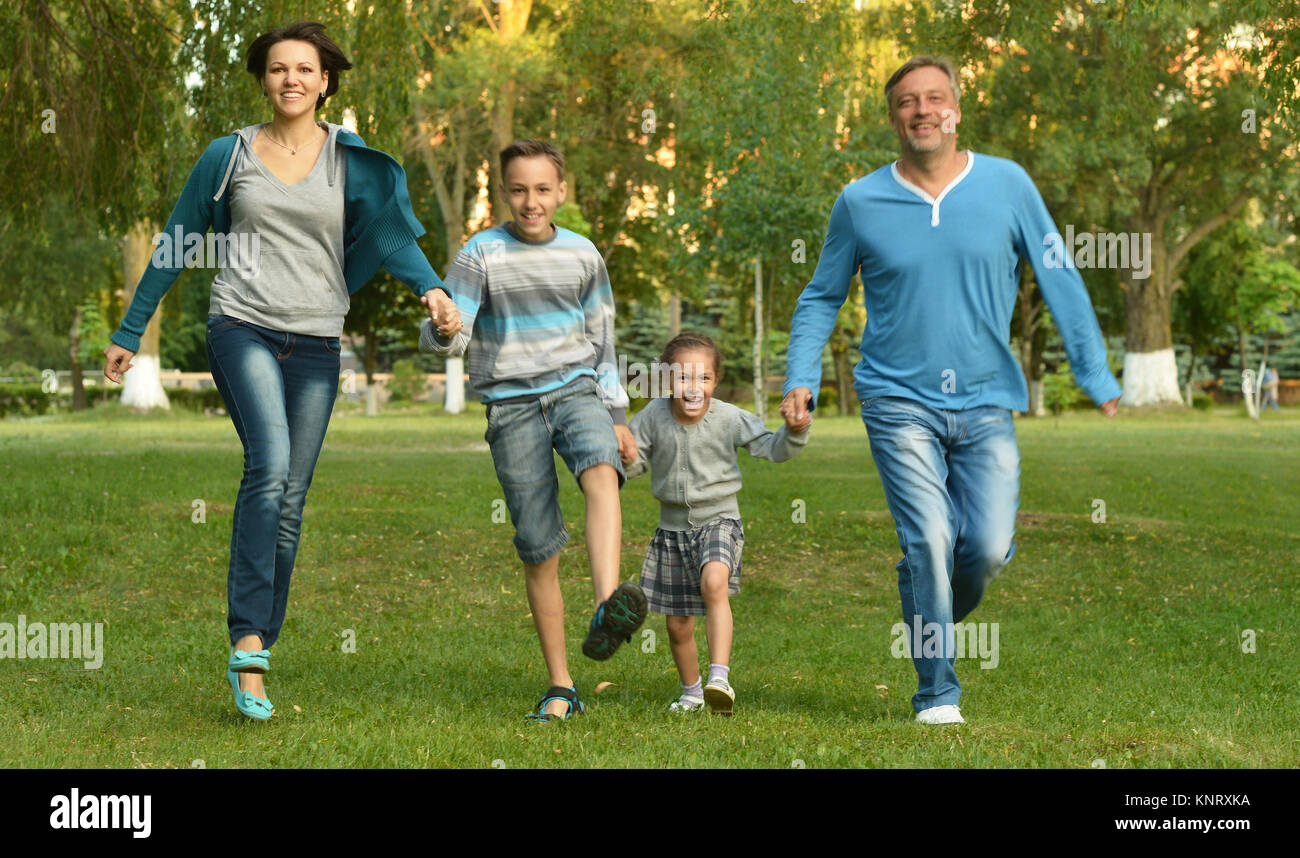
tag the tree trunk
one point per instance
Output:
(1031, 321)
(142, 385)
(513, 22)
(79, 402)
(674, 314)
(760, 395)
(1150, 367)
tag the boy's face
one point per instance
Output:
(533, 189)
(694, 380)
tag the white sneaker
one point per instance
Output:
(720, 696)
(947, 714)
(686, 704)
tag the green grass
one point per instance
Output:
(1119, 641)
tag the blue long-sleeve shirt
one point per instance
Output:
(940, 277)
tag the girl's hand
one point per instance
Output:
(117, 362)
(626, 444)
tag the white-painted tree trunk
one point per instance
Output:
(142, 386)
(1151, 378)
(1037, 388)
(454, 402)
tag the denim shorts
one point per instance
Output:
(571, 421)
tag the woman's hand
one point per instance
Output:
(442, 312)
(117, 362)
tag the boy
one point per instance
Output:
(538, 298)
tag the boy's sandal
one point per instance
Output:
(250, 662)
(257, 708)
(616, 620)
(557, 692)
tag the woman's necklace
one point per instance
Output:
(293, 150)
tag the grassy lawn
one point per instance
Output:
(1119, 641)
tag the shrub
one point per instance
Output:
(408, 382)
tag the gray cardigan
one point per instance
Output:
(693, 469)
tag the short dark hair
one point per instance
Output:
(692, 340)
(919, 62)
(530, 149)
(331, 55)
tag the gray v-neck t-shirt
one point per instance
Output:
(288, 273)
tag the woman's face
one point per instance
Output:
(294, 79)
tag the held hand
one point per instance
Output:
(117, 361)
(794, 408)
(1111, 408)
(442, 312)
(626, 444)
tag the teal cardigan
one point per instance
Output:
(379, 227)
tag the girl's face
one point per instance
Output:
(694, 377)
(294, 80)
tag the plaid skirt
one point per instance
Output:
(670, 575)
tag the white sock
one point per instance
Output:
(719, 671)
(695, 692)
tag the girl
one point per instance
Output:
(320, 225)
(692, 566)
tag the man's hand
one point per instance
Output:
(117, 361)
(626, 444)
(1111, 408)
(442, 312)
(794, 408)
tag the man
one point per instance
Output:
(938, 236)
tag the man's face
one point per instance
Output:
(924, 110)
(534, 190)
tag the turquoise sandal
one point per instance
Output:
(250, 662)
(557, 692)
(257, 708)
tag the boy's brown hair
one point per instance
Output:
(530, 149)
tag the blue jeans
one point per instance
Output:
(279, 389)
(952, 480)
(573, 422)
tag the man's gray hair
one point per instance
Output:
(921, 62)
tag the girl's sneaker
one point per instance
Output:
(686, 704)
(720, 696)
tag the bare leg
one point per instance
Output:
(718, 624)
(547, 604)
(681, 639)
(604, 527)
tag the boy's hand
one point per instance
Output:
(442, 312)
(794, 408)
(626, 444)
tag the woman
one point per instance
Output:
(321, 212)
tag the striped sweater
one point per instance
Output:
(541, 316)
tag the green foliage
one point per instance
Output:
(1060, 393)
(23, 400)
(408, 382)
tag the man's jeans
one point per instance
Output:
(279, 389)
(952, 480)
